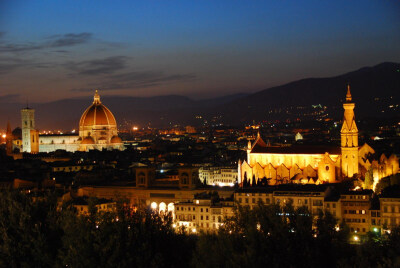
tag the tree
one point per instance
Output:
(369, 179)
(29, 236)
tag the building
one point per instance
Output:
(97, 130)
(81, 205)
(390, 210)
(202, 214)
(356, 210)
(218, 176)
(310, 196)
(315, 164)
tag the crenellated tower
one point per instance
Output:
(9, 140)
(349, 138)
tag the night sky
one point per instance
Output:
(55, 49)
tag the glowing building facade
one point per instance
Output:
(97, 130)
(314, 164)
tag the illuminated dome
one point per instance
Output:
(97, 126)
(87, 140)
(97, 115)
(116, 139)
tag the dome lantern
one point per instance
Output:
(96, 98)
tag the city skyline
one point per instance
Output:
(51, 51)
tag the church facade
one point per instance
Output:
(314, 164)
(97, 130)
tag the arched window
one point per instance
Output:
(185, 178)
(162, 207)
(141, 178)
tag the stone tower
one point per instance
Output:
(30, 136)
(349, 138)
(9, 140)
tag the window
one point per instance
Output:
(201, 209)
(334, 205)
(194, 217)
(206, 209)
(247, 200)
(317, 202)
(327, 168)
(206, 218)
(240, 200)
(201, 217)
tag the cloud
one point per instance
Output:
(9, 64)
(99, 66)
(56, 41)
(9, 98)
(136, 79)
(70, 40)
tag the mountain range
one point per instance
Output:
(374, 90)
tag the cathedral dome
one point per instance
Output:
(97, 114)
(116, 139)
(87, 140)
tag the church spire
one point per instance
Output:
(348, 95)
(96, 98)
(349, 138)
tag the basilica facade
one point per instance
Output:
(97, 130)
(315, 164)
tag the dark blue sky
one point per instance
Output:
(52, 49)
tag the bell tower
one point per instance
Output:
(30, 136)
(349, 138)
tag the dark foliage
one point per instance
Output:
(35, 232)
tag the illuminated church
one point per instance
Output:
(315, 164)
(97, 130)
